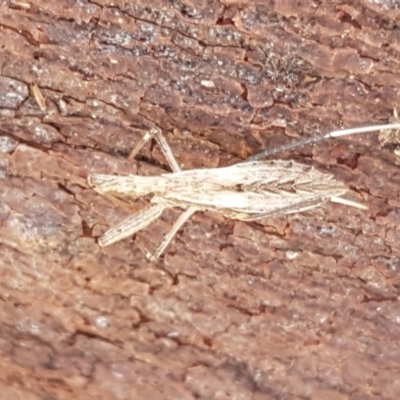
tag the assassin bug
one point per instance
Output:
(247, 191)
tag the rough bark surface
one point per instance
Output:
(304, 306)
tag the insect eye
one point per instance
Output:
(289, 164)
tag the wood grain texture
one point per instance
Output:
(301, 306)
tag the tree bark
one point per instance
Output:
(301, 306)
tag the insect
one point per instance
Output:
(247, 191)
(37, 94)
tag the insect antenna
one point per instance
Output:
(321, 137)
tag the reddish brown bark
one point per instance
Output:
(305, 306)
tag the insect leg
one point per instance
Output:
(319, 138)
(145, 138)
(170, 235)
(165, 149)
(157, 135)
(102, 184)
(300, 206)
(132, 224)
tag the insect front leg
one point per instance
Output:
(132, 224)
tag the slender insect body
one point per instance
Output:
(246, 191)
(247, 188)
(131, 185)
(250, 188)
